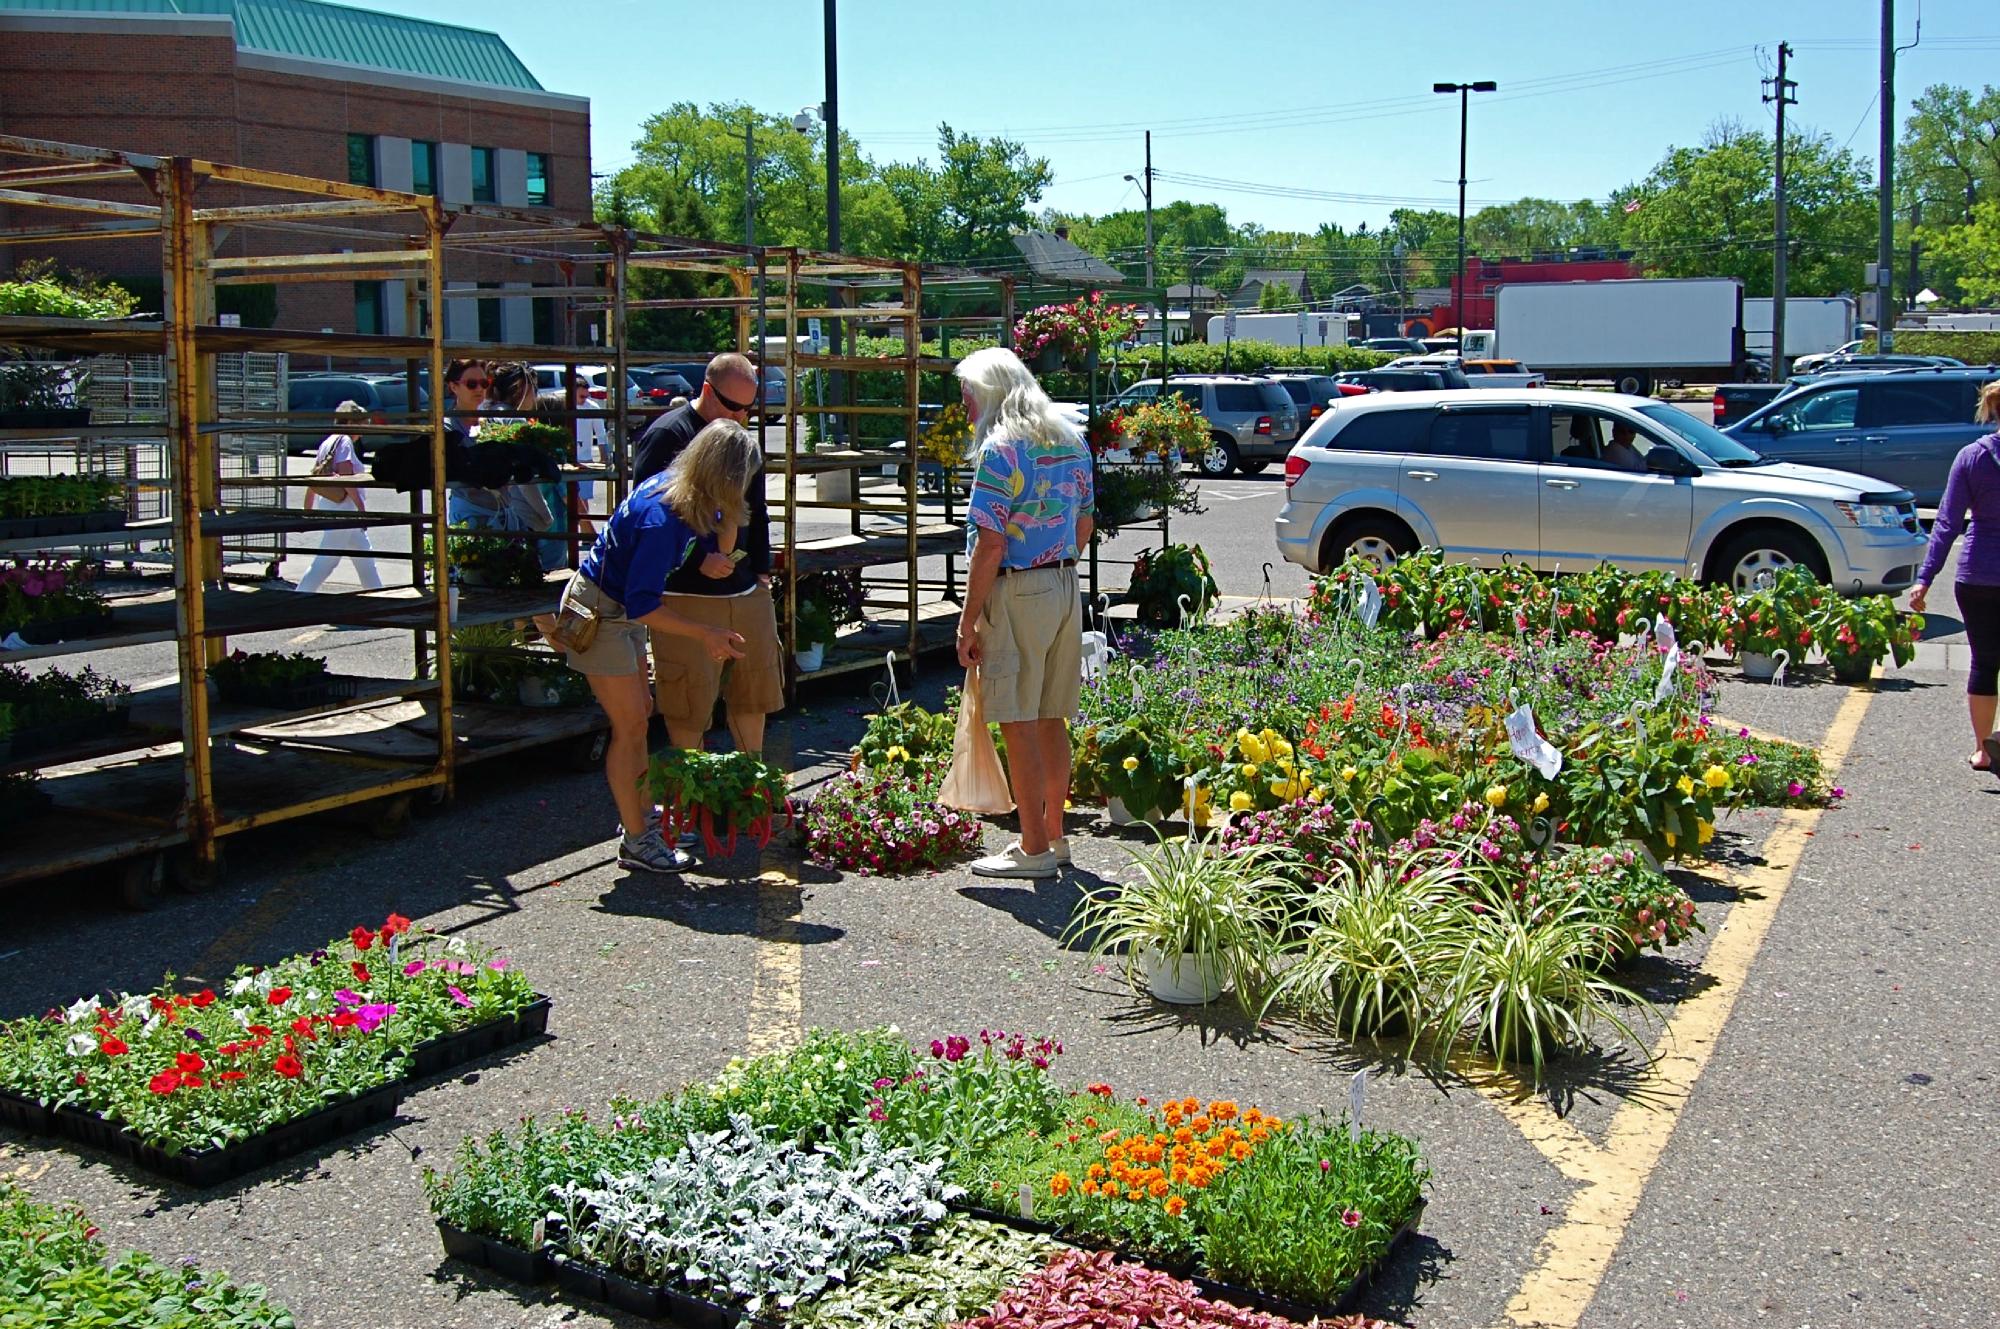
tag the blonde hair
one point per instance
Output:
(350, 412)
(1989, 404)
(708, 485)
(1010, 402)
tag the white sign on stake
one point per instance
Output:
(1367, 601)
(1529, 745)
(1663, 632)
(1027, 1199)
(1357, 1090)
(1670, 676)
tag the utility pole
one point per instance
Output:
(750, 181)
(1885, 241)
(1149, 210)
(836, 388)
(1464, 91)
(1781, 93)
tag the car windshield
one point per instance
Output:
(1717, 446)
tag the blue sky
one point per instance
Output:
(1591, 94)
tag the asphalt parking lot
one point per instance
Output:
(1813, 1148)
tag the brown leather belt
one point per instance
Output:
(1039, 567)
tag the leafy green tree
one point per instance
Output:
(1709, 211)
(1947, 163)
(1530, 226)
(1973, 250)
(967, 208)
(1273, 296)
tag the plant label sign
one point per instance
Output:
(1027, 1200)
(1367, 601)
(1663, 632)
(1357, 1091)
(1670, 676)
(1529, 745)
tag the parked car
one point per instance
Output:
(1251, 420)
(1834, 364)
(553, 378)
(1542, 477)
(1399, 345)
(1500, 374)
(662, 385)
(1903, 426)
(1404, 380)
(1312, 394)
(1733, 401)
(694, 372)
(1806, 364)
(386, 397)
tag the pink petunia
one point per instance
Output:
(459, 996)
(413, 968)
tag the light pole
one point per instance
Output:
(1146, 188)
(1464, 91)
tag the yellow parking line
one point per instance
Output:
(1571, 1261)
(777, 989)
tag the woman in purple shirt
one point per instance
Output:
(1972, 505)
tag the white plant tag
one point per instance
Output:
(1670, 675)
(1663, 632)
(1027, 1198)
(1096, 654)
(1357, 1091)
(1368, 601)
(1529, 745)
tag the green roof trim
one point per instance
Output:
(341, 34)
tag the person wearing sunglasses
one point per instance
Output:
(467, 381)
(732, 579)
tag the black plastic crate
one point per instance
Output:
(442, 1053)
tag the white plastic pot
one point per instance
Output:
(1763, 668)
(811, 658)
(1123, 816)
(1184, 979)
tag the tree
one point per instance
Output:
(966, 210)
(1273, 296)
(1529, 226)
(1973, 250)
(1947, 163)
(1709, 211)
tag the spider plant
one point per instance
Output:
(1185, 897)
(1530, 984)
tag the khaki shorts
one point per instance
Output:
(1032, 666)
(620, 647)
(686, 682)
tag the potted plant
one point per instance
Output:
(1857, 634)
(493, 559)
(50, 601)
(827, 601)
(1172, 583)
(1192, 923)
(271, 678)
(553, 439)
(36, 390)
(942, 448)
(1140, 764)
(723, 794)
(58, 505)
(53, 709)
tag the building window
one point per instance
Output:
(547, 314)
(489, 314)
(368, 306)
(361, 159)
(482, 176)
(538, 179)
(423, 167)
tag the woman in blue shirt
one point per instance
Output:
(686, 516)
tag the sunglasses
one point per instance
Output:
(474, 384)
(738, 406)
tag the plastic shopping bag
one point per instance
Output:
(975, 782)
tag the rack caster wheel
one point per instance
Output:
(190, 876)
(586, 754)
(389, 819)
(142, 882)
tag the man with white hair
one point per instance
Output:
(1029, 515)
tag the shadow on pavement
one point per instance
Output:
(730, 910)
(1397, 1288)
(1045, 906)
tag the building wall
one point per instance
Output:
(179, 86)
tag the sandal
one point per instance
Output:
(1992, 749)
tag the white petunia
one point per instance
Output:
(81, 1045)
(82, 1011)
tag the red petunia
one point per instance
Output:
(345, 1020)
(165, 1082)
(304, 1025)
(159, 1003)
(393, 924)
(362, 938)
(182, 1001)
(113, 1047)
(289, 1066)
(187, 1063)
(205, 997)
(279, 996)
(228, 1075)
(261, 1030)
(360, 972)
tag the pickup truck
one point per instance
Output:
(1501, 374)
(1733, 401)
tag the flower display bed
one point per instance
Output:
(204, 1086)
(812, 1187)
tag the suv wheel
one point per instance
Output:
(1752, 561)
(1219, 458)
(1377, 541)
(1251, 467)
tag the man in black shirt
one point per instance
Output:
(687, 683)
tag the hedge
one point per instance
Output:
(1975, 348)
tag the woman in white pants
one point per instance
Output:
(336, 456)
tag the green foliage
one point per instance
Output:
(906, 732)
(1973, 248)
(53, 1271)
(1947, 167)
(1273, 296)
(960, 1272)
(57, 495)
(1974, 348)
(719, 793)
(49, 298)
(1162, 579)
(557, 440)
(52, 698)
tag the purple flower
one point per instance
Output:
(1838, 792)
(1743, 733)
(1747, 759)
(458, 996)
(196, 1035)
(369, 1018)
(413, 968)
(885, 1083)
(499, 965)
(348, 997)
(1795, 789)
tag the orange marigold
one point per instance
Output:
(1096, 1172)
(1157, 1189)
(1201, 1125)
(1175, 1206)
(1239, 1151)
(1222, 1111)
(1059, 1184)
(1190, 1105)
(1184, 1135)
(1251, 1116)
(1088, 1187)
(1258, 1135)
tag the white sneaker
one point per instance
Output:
(1014, 862)
(1060, 848)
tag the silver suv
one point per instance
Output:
(1251, 421)
(1568, 480)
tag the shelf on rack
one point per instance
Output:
(845, 459)
(872, 547)
(480, 731)
(291, 521)
(937, 629)
(157, 528)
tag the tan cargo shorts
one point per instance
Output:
(620, 646)
(687, 682)
(1032, 662)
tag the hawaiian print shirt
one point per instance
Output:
(1033, 496)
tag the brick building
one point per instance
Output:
(315, 89)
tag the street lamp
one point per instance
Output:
(1464, 91)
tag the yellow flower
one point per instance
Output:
(1686, 786)
(1671, 837)
(1715, 778)
(1704, 831)
(897, 752)
(1318, 793)
(1496, 795)
(1348, 772)
(1249, 770)
(1240, 802)
(1253, 747)
(1130, 763)
(1541, 803)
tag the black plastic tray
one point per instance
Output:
(50, 631)
(24, 1113)
(449, 1050)
(509, 1261)
(577, 1279)
(1250, 1299)
(1180, 1266)
(211, 1167)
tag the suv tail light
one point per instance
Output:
(1720, 407)
(1263, 424)
(597, 394)
(378, 419)
(1316, 409)
(1295, 466)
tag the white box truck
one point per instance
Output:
(1814, 325)
(1310, 328)
(1635, 333)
